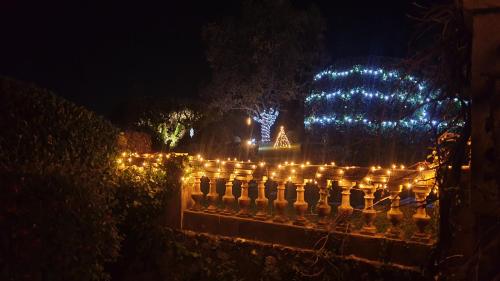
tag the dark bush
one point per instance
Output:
(56, 168)
(41, 130)
(54, 227)
(142, 196)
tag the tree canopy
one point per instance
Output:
(264, 56)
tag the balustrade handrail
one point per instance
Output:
(421, 180)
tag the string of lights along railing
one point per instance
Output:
(289, 171)
(392, 180)
(375, 97)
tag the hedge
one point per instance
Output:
(56, 170)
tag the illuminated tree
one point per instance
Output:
(266, 118)
(263, 57)
(170, 127)
(282, 140)
(365, 110)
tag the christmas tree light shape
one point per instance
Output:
(282, 139)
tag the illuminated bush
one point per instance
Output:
(142, 194)
(367, 109)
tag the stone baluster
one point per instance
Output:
(369, 212)
(345, 209)
(212, 196)
(323, 208)
(196, 194)
(228, 197)
(244, 200)
(261, 200)
(280, 203)
(421, 218)
(300, 205)
(395, 215)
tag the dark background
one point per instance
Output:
(100, 53)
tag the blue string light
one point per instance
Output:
(353, 98)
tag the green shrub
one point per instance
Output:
(43, 131)
(56, 168)
(141, 202)
(55, 227)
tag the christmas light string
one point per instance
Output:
(344, 106)
(266, 120)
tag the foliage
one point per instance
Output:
(169, 126)
(43, 131)
(444, 42)
(206, 257)
(56, 169)
(55, 227)
(142, 196)
(264, 56)
(134, 141)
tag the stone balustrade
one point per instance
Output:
(326, 179)
(377, 214)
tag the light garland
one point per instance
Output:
(266, 120)
(360, 70)
(348, 120)
(416, 99)
(359, 105)
(282, 139)
(146, 164)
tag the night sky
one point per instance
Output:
(99, 53)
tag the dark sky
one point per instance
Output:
(99, 53)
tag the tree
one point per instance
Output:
(263, 57)
(444, 42)
(167, 120)
(170, 126)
